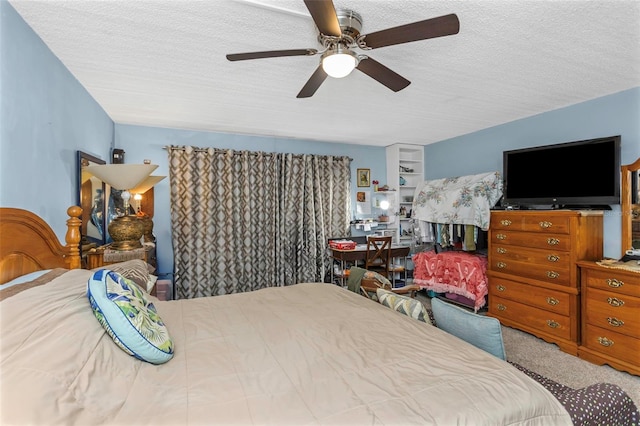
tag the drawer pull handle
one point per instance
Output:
(553, 324)
(553, 258)
(501, 265)
(545, 224)
(614, 283)
(500, 287)
(505, 222)
(552, 301)
(553, 241)
(553, 274)
(501, 236)
(605, 342)
(615, 322)
(501, 250)
(614, 301)
(501, 307)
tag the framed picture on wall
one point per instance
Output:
(363, 202)
(364, 177)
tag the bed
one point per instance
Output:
(310, 353)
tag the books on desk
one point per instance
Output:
(342, 244)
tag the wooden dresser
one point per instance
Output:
(611, 317)
(534, 279)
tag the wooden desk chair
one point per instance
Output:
(378, 257)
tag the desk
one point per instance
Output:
(360, 254)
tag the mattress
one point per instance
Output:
(310, 353)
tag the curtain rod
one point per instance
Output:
(235, 152)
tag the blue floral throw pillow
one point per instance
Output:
(128, 317)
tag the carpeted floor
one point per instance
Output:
(548, 360)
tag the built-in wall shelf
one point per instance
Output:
(405, 171)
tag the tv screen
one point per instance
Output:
(580, 174)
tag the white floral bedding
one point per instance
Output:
(464, 200)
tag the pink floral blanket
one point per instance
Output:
(452, 272)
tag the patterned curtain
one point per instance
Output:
(245, 220)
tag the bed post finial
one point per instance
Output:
(73, 236)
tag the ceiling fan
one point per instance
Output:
(339, 34)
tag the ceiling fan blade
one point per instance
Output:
(421, 30)
(324, 15)
(314, 82)
(271, 54)
(382, 74)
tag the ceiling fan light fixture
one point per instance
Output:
(339, 63)
(340, 30)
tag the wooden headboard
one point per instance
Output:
(28, 244)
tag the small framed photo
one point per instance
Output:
(364, 177)
(363, 203)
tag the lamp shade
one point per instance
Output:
(146, 184)
(339, 62)
(122, 176)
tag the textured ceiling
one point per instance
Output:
(162, 64)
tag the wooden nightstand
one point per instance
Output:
(104, 256)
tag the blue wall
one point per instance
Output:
(140, 143)
(45, 117)
(617, 114)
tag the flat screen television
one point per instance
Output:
(580, 174)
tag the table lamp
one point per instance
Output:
(126, 230)
(146, 219)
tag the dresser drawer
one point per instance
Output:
(612, 281)
(552, 258)
(619, 313)
(531, 222)
(557, 242)
(550, 300)
(553, 274)
(548, 322)
(551, 266)
(615, 345)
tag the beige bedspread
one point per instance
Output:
(299, 355)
